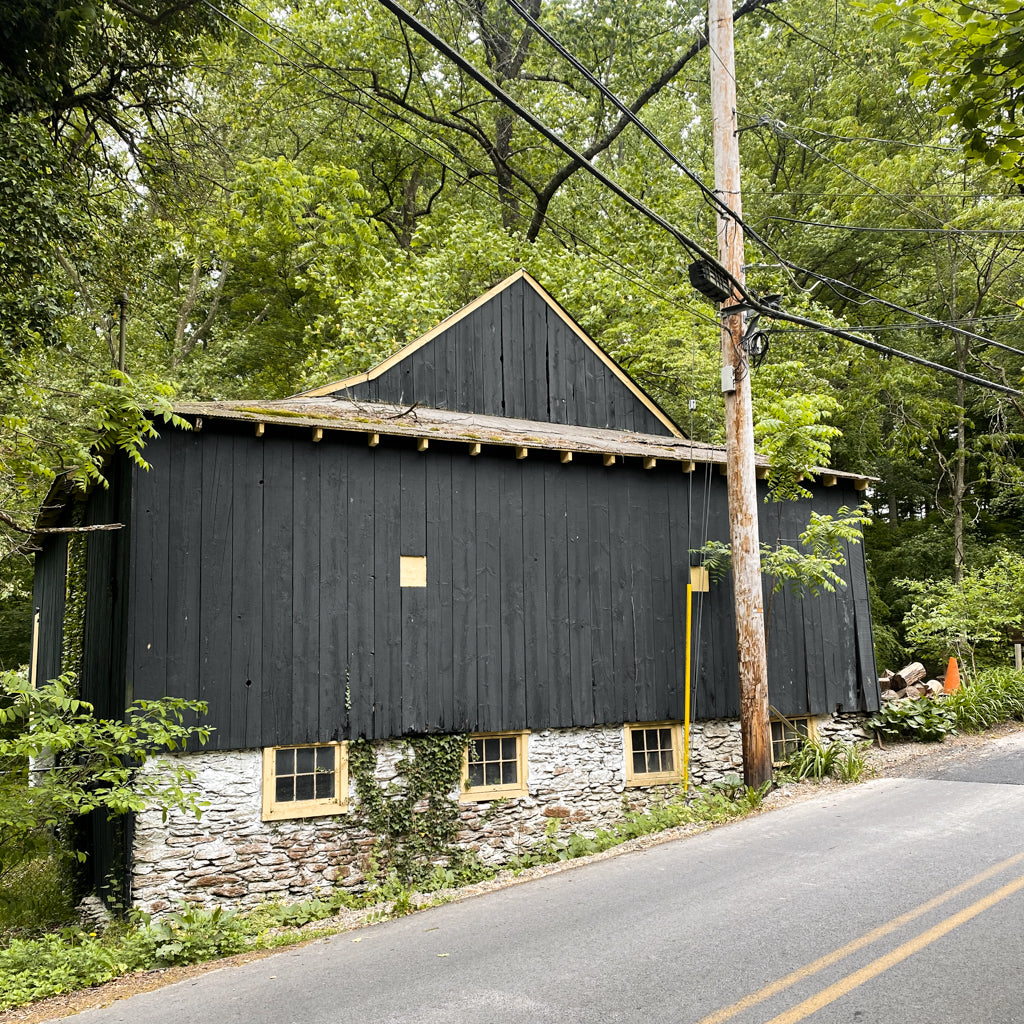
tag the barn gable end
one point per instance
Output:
(514, 352)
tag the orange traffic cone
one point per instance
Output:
(952, 677)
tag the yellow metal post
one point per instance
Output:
(686, 713)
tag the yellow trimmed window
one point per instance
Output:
(305, 781)
(788, 735)
(654, 753)
(495, 766)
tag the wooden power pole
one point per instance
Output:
(739, 420)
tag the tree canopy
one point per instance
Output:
(264, 198)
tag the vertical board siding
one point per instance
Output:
(266, 581)
(245, 673)
(538, 664)
(413, 541)
(387, 611)
(49, 591)
(556, 560)
(439, 699)
(581, 633)
(184, 539)
(513, 356)
(276, 698)
(359, 551)
(511, 576)
(464, 604)
(602, 648)
(152, 487)
(307, 678)
(485, 532)
(334, 529)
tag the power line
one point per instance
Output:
(728, 212)
(550, 222)
(1014, 232)
(481, 79)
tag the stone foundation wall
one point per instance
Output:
(576, 777)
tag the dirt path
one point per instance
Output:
(894, 760)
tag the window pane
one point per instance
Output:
(325, 759)
(508, 748)
(305, 759)
(324, 785)
(476, 773)
(283, 788)
(665, 739)
(653, 761)
(492, 750)
(284, 762)
(492, 773)
(639, 762)
(509, 773)
(304, 787)
(667, 760)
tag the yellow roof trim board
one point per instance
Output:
(424, 339)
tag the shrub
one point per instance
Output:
(994, 696)
(924, 718)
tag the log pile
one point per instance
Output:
(908, 682)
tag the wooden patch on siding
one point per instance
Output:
(412, 571)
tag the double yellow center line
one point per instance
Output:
(851, 981)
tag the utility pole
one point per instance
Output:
(739, 420)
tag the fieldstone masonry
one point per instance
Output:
(229, 856)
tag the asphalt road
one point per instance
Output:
(900, 900)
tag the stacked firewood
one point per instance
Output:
(908, 682)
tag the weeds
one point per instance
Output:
(816, 760)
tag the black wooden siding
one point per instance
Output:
(106, 608)
(48, 597)
(513, 356)
(265, 580)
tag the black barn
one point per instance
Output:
(492, 530)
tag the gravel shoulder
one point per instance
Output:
(894, 760)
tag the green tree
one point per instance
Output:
(969, 619)
(59, 762)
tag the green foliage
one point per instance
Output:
(94, 761)
(815, 759)
(192, 934)
(926, 719)
(969, 620)
(721, 801)
(792, 431)
(991, 697)
(812, 567)
(974, 55)
(32, 969)
(415, 816)
(37, 894)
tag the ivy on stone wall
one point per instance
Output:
(414, 816)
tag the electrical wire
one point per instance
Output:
(481, 79)
(1014, 232)
(550, 222)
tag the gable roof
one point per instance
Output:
(512, 352)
